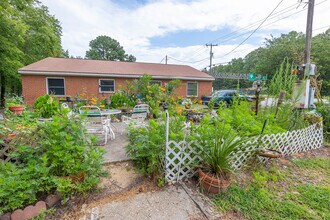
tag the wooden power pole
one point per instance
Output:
(211, 53)
(309, 28)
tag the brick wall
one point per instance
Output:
(35, 86)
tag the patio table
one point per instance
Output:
(107, 113)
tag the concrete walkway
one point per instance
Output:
(115, 149)
(169, 203)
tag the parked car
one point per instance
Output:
(226, 96)
(206, 98)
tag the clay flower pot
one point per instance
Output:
(212, 184)
(17, 110)
(270, 153)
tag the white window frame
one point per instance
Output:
(47, 90)
(155, 81)
(187, 90)
(114, 86)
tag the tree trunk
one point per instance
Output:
(3, 88)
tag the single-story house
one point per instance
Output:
(68, 77)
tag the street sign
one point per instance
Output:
(252, 76)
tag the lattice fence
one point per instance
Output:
(181, 157)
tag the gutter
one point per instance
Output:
(49, 73)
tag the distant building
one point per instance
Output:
(68, 77)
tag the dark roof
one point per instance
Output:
(97, 67)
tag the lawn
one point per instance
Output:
(288, 189)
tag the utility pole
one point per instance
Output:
(309, 28)
(308, 45)
(211, 53)
(166, 59)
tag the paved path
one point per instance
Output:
(169, 203)
(115, 149)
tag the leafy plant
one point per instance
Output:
(147, 145)
(49, 156)
(324, 110)
(218, 141)
(14, 100)
(46, 106)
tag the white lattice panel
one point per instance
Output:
(181, 160)
(181, 157)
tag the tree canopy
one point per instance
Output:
(107, 48)
(267, 59)
(28, 33)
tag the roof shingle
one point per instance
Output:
(69, 65)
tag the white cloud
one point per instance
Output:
(84, 20)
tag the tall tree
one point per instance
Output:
(43, 37)
(268, 59)
(27, 33)
(12, 30)
(107, 48)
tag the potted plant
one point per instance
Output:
(218, 141)
(46, 106)
(187, 103)
(15, 104)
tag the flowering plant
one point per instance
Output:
(186, 101)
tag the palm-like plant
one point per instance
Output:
(218, 142)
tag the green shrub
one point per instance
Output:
(46, 106)
(324, 110)
(147, 144)
(49, 156)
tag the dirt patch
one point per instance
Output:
(122, 183)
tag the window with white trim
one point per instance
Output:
(55, 86)
(158, 82)
(106, 85)
(192, 89)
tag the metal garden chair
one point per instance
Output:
(95, 124)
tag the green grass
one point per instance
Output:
(275, 194)
(323, 163)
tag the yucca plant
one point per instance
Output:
(218, 141)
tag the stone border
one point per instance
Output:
(31, 211)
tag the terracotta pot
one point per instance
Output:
(17, 110)
(212, 184)
(270, 153)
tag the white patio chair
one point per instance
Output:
(95, 124)
(139, 115)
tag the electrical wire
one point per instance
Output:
(283, 11)
(185, 61)
(266, 26)
(255, 29)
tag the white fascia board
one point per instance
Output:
(29, 72)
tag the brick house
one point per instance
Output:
(69, 77)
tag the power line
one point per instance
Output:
(186, 61)
(255, 29)
(162, 60)
(252, 24)
(321, 27)
(266, 26)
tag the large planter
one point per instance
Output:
(212, 184)
(17, 110)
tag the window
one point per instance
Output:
(155, 82)
(55, 86)
(192, 89)
(106, 85)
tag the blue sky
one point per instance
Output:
(152, 29)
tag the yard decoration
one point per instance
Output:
(218, 142)
(15, 104)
